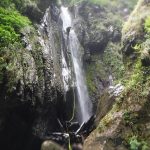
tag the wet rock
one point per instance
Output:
(107, 100)
(44, 4)
(96, 27)
(76, 138)
(128, 47)
(58, 137)
(86, 127)
(116, 90)
(33, 12)
(92, 28)
(145, 59)
(72, 126)
(77, 147)
(49, 145)
(104, 106)
(35, 9)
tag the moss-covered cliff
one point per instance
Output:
(30, 81)
(99, 30)
(126, 125)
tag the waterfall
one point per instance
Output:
(84, 106)
(66, 72)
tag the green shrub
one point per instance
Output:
(7, 35)
(13, 18)
(113, 59)
(147, 25)
(90, 80)
(136, 144)
(11, 22)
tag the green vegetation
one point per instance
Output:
(134, 26)
(18, 4)
(9, 56)
(5, 3)
(136, 77)
(147, 25)
(111, 61)
(90, 79)
(135, 144)
(11, 22)
(145, 52)
(7, 35)
(136, 80)
(112, 58)
(130, 117)
(95, 71)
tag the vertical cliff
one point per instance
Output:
(98, 27)
(31, 86)
(126, 125)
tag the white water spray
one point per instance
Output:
(84, 109)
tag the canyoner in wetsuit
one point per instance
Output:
(68, 30)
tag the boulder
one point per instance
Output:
(49, 145)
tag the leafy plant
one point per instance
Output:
(90, 81)
(136, 144)
(13, 18)
(137, 47)
(7, 35)
(147, 25)
(130, 117)
(11, 23)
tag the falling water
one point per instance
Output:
(84, 109)
(66, 73)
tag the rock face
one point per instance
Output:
(124, 126)
(99, 31)
(136, 36)
(34, 9)
(93, 33)
(49, 145)
(30, 109)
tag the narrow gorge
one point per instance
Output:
(74, 75)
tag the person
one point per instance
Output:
(68, 30)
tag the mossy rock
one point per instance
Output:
(145, 58)
(145, 53)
